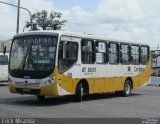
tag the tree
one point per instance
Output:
(42, 20)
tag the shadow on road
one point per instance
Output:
(55, 101)
(105, 96)
(3, 84)
(32, 101)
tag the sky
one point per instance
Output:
(134, 20)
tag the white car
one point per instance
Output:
(4, 67)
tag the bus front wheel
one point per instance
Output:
(79, 93)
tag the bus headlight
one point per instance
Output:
(48, 82)
(10, 81)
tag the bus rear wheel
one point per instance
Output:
(41, 98)
(127, 89)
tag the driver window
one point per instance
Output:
(68, 54)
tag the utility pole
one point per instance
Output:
(19, 7)
(18, 14)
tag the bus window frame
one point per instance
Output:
(94, 50)
(129, 54)
(148, 56)
(106, 53)
(135, 54)
(118, 52)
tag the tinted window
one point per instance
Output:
(144, 55)
(135, 55)
(88, 55)
(3, 60)
(113, 53)
(125, 54)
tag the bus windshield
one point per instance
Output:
(33, 54)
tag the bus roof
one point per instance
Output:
(81, 35)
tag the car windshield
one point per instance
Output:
(3, 60)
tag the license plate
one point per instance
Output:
(26, 90)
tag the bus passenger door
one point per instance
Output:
(67, 59)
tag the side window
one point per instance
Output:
(125, 54)
(3, 60)
(101, 52)
(113, 53)
(144, 55)
(88, 54)
(135, 55)
(68, 54)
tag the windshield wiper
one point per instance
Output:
(22, 65)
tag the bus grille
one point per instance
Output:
(32, 85)
(32, 91)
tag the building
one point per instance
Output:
(5, 43)
(1, 46)
(156, 63)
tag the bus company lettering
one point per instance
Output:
(84, 69)
(138, 69)
(88, 71)
(40, 40)
(91, 69)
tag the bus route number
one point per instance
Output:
(88, 71)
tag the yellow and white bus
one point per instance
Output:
(56, 63)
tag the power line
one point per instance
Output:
(18, 8)
(79, 24)
(129, 21)
(147, 33)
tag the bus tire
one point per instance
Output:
(41, 98)
(79, 93)
(127, 88)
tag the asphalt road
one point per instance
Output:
(144, 102)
